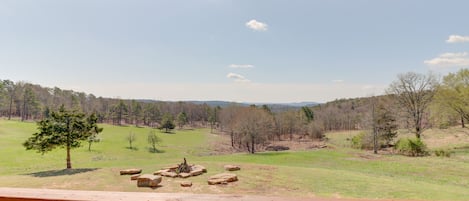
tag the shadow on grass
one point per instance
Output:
(151, 150)
(132, 148)
(271, 153)
(54, 173)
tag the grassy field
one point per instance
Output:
(335, 172)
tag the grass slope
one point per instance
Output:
(338, 172)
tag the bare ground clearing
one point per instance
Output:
(221, 144)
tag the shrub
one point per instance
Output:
(443, 153)
(363, 140)
(411, 147)
(357, 140)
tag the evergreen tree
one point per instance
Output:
(181, 119)
(167, 123)
(63, 129)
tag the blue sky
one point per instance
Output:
(243, 50)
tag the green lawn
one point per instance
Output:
(335, 172)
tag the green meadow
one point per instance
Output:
(337, 171)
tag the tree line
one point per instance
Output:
(414, 101)
(28, 101)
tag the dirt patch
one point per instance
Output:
(221, 144)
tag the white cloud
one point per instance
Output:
(337, 81)
(241, 66)
(457, 39)
(234, 76)
(256, 25)
(237, 77)
(450, 60)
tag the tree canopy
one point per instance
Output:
(167, 123)
(65, 129)
(414, 92)
(453, 93)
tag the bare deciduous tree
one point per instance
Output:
(414, 92)
(131, 138)
(254, 127)
(153, 140)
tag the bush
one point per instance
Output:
(357, 140)
(443, 153)
(363, 140)
(411, 147)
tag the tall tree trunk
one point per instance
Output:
(252, 146)
(24, 111)
(11, 105)
(69, 163)
(375, 132)
(232, 139)
(462, 122)
(417, 133)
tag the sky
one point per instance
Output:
(233, 50)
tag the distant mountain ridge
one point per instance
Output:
(216, 103)
(273, 106)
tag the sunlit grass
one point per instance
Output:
(336, 171)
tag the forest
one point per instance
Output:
(413, 101)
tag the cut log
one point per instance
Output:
(186, 184)
(131, 171)
(161, 171)
(232, 167)
(196, 172)
(135, 177)
(222, 178)
(199, 167)
(169, 174)
(148, 180)
(171, 168)
(184, 175)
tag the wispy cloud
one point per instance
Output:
(337, 81)
(457, 39)
(241, 66)
(458, 59)
(256, 25)
(237, 77)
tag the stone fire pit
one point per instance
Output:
(182, 170)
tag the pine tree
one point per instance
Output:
(63, 129)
